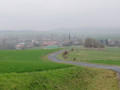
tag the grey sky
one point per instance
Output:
(52, 14)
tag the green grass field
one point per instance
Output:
(26, 61)
(110, 56)
(31, 70)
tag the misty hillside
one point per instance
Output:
(91, 32)
(82, 32)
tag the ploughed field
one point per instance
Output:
(31, 70)
(109, 56)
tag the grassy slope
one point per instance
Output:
(110, 56)
(72, 78)
(29, 70)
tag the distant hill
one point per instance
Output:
(83, 32)
(90, 32)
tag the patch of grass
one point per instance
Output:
(26, 61)
(110, 56)
(31, 70)
(72, 78)
(107, 62)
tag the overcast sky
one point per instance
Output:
(52, 14)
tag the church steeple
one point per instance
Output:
(69, 37)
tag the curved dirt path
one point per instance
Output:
(53, 57)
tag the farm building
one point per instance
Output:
(19, 46)
(50, 45)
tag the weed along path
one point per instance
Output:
(53, 57)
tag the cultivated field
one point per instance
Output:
(110, 56)
(26, 61)
(31, 70)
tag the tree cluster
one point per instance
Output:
(93, 43)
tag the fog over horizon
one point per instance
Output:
(47, 15)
